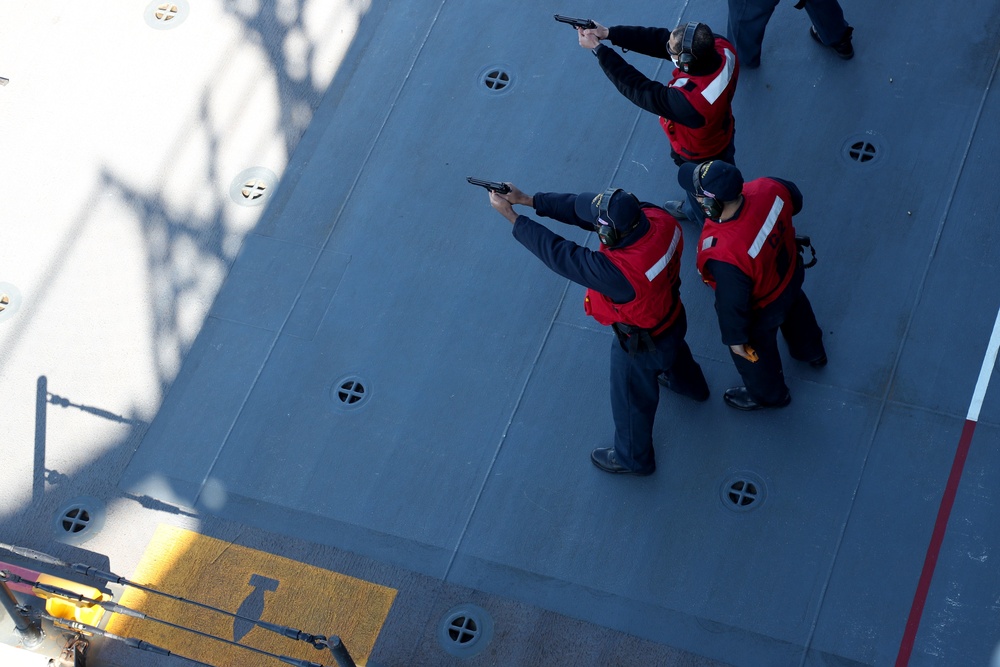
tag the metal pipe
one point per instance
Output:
(31, 635)
(339, 651)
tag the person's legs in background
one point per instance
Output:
(747, 21)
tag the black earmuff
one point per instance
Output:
(687, 57)
(611, 231)
(711, 206)
(605, 226)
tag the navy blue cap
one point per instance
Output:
(719, 180)
(623, 209)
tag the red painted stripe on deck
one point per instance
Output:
(934, 548)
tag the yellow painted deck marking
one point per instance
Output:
(218, 573)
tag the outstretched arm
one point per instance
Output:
(561, 207)
(650, 42)
(572, 261)
(645, 93)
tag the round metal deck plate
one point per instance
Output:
(350, 392)
(79, 520)
(465, 630)
(10, 301)
(743, 491)
(866, 149)
(496, 79)
(166, 15)
(253, 186)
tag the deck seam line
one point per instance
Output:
(899, 353)
(541, 347)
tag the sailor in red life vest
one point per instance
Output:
(695, 107)
(633, 285)
(748, 254)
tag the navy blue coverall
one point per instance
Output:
(635, 391)
(748, 19)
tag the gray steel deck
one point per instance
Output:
(464, 473)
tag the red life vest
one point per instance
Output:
(652, 266)
(760, 242)
(711, 95)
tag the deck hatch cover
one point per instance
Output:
(465, 630)
(350, 392)
(10, 300)
(743, 491)
(253, 186)
(495, 79)
(75, 519)
(79, 519)
(166, 15)
(864, 149)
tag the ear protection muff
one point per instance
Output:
(610, 231)
(710, 205)
(605, 226)
(687, 58)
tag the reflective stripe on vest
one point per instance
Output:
(719, 83)
(765, 229)
(655, 270)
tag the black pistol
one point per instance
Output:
(576, 23)
(492, 186)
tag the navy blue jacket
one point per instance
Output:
(570, 260)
